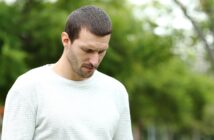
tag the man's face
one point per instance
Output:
(85, 53)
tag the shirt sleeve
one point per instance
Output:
(124, 129)
(19, 116)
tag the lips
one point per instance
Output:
(89, 66)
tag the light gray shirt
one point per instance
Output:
(42, 105)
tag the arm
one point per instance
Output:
(124, 130)
(19, 116)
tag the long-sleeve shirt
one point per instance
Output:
(42, 105)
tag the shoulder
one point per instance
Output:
(35, 73)
(115, 89)
(30, 77)
(108, 80)
(110, 83)
(24, 88)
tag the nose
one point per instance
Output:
(94, 59)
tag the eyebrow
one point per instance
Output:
(94, 50)
(85, 47)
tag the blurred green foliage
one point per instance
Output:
(163, 90)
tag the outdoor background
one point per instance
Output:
(162, 50)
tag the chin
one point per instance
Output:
(89, 75)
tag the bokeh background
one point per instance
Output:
(162, 50)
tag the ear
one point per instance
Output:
(65, 39)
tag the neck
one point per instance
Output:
(62, 67)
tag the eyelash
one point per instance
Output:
(90, 51)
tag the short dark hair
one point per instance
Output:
(92, 18)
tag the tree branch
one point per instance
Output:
(199, 33)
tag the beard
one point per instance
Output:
(82, 71)
(86, 70)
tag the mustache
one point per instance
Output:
(91, 66)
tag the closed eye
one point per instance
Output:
(92, 51)
(100, 52)
(88, 50)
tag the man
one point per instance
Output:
(71, 100)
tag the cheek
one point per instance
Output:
(73, 56)
(82, 57)
(101, 57)
(75, 53)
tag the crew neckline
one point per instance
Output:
(69, 81)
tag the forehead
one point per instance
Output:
(88, 39)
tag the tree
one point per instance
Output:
(206, 6)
